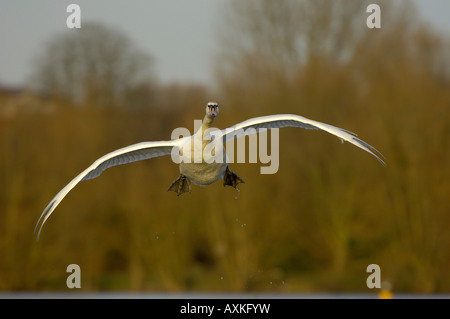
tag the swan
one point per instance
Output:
(199, 172)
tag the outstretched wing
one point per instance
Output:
(129, 154)
(291, 120)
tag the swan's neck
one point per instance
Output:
(206, 125)
(207, 122)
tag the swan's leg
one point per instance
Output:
(231, 178)
(180, 185)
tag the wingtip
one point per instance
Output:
(42, 219)
(381, 161)
(38, 235)
(372, 150)
(36, 227)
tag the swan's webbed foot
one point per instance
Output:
(231, 178)
(180, 185)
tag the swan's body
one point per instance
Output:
(201, 172)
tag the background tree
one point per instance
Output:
(93, 64)
(267, 43)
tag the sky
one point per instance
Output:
(179, 34)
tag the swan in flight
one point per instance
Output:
(201, 172)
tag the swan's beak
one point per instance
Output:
(212, 109)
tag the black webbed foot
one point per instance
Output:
(231, 178)
(180, 185)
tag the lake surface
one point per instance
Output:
(201, 295)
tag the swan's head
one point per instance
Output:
(212, 109)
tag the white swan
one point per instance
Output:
(202, 173)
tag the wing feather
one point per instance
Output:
(129, 154)
(291, 120)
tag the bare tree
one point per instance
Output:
(263, 35)
(92, 64)
(259, 35)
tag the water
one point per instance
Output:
(206, 295)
